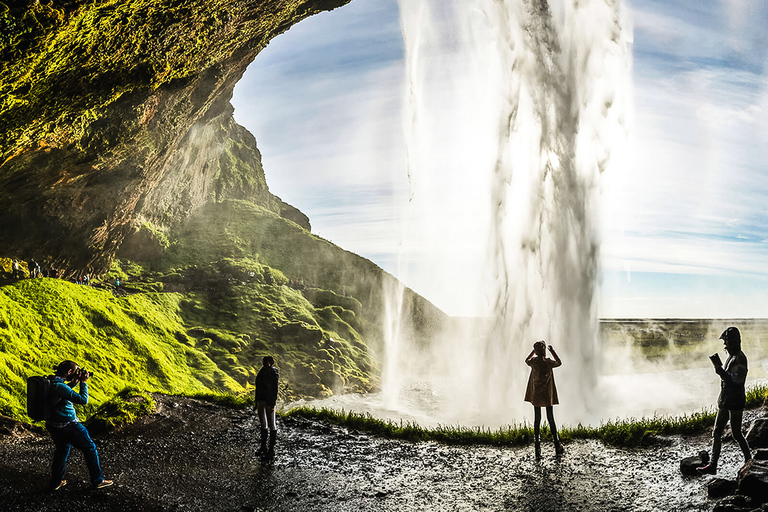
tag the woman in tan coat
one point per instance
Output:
(541, 391)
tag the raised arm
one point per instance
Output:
(557, 361)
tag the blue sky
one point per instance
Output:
(684, 231)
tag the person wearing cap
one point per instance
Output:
(732, 399)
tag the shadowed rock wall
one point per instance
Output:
(103, 106)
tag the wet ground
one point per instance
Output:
(195, 456)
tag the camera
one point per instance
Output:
(83, 374)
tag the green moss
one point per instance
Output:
(64, 67)
(126, 342)
(122, 409)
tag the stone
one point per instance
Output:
(719, 487)
(737, 503)
(757, 435)
(688, 465)
(760, 454)
(753, 480)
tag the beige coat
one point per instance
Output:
(541, 390)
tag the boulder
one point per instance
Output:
(760, 454)
(719, 487)
(753, 480)
(757, 435)
(737, 503)
(689, 464)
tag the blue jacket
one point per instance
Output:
(64, 411)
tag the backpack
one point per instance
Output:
(40, 403)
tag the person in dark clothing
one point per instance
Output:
(732, 399)
(66, 430)
(266, 398)
(542, 392)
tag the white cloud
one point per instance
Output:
(324, 103)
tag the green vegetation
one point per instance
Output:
(677, 343)
(627, 433)
(122, 409)
(64, 67)
(134, 341)
(191, 320)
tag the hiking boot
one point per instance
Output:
(264, 437)
(57, 487)
(103, 484)
(709, 469)
(559, 450)
(272, 441)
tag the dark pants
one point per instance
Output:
(550, 419)
(723, 415)
(74, 434)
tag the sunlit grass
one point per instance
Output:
(627, 433)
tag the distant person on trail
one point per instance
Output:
(66, 430)
(541, 392)
(17, 273)
(266, 398)
(732, 399)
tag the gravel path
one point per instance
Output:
(195, 456)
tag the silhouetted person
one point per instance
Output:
(541, 392)
(266, 398)
(732, 399)
(66, 430)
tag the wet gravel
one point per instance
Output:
(195, 456)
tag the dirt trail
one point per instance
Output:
(195, 456)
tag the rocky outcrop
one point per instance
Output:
(757, 435)
(753, 480)
(103, 105)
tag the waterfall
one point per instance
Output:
(538, 92)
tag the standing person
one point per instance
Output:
(266, 398)
(16, 270)
(541, 392)
(66, 430)
(732, 399)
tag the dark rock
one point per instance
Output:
(760, 454)
(689, 464)
(12, 427)
(719, 487)
(737, 503)
(757, 435)
(753, 480)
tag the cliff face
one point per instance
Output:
(111, 113)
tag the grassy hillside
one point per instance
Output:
(197, 308)
(130, 341)
(196, 315)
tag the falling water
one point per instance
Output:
(542, 92)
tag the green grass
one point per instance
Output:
(122, 409)
(126, 342)
(628, 433)
(207, 340)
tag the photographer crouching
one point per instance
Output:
(66, 430)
